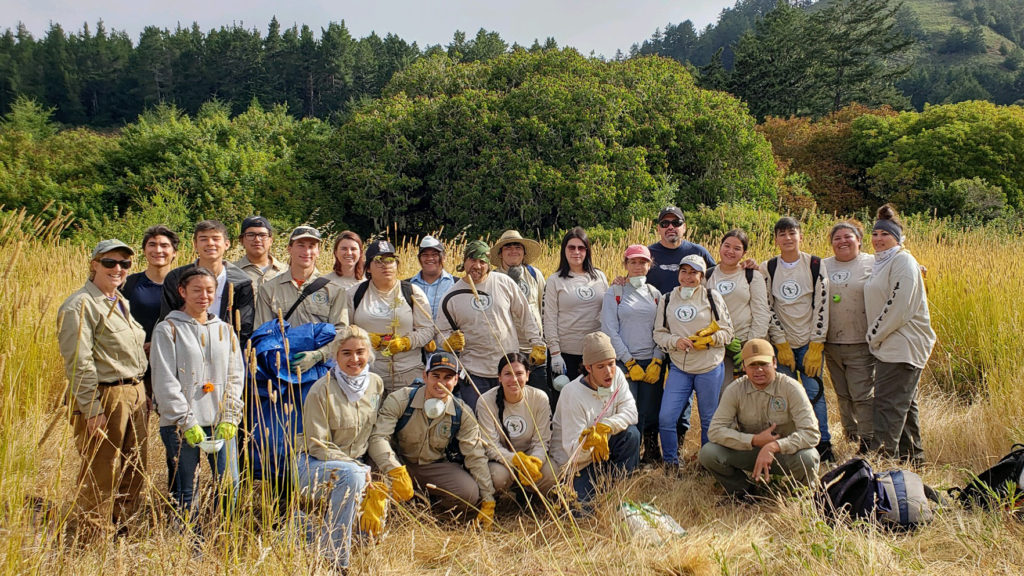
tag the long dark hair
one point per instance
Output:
(563, 262)
(499, 400)
(360, 262)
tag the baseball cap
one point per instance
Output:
(442, 361)
(694, 261)
(431, 243)
(671, 211)
(105, 246)
(378, 247)
(637, 251)
(256, 222)
(757, 350)
(304, 232)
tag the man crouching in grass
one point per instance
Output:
(438, 439)
(764, 425)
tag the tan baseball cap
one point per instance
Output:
(757, 350)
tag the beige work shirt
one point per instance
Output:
(747, 301)
(527, 422)
(259, 275)
(847, 318)
(422, 440)
(744, 411)
(572, 309)
(686, 317)
(100, 342)
(390, 313)
(334, 428)
(327, 304)
(533, 290)
(794, 319)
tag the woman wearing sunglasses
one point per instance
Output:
(104, 359)
(396, 314)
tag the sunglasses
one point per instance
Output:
(111, 262)
(672, 223)
(385, 259)
(574, 248)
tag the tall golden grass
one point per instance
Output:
(971, 408)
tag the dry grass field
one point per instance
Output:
(972, 410)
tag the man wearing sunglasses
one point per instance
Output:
(257, 237)
(234, 301)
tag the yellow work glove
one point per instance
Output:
(813, 358)
(785, 356)
(653, 371)
(702, 342)
(376, 339)
(528, 468)
(456, 342)
(709, 329)
(595, 439)
(195, 435)
(430, 347)
(485, 518)
(401, 483)
(396, 345)
(636, 373)
(226, 430)
(372, 508)
(538, 355)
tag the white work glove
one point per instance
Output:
(558, 365)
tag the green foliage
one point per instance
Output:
(540, 141)
(30, 118)
(970, 201)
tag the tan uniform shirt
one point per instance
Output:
(345, 282)
(747, 301)
(422, 440)
(100, 342)
(899, 324)
(534, 292)
(528, 423)
(390, 313)
(847, 320)
(497, 323)
(794, 320)
(257, 274)
(686, 317)
(327, 304)
(572, 309)
(333, 428)
(744, 411)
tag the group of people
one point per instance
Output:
(503, 380)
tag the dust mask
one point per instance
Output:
(638, 281)
(433, 407)
(687, 291)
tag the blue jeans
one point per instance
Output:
(346, 480)
(624, 450)
(678, 388)
(811, 388)
(183, 465)
(469, 394)
(647, 397)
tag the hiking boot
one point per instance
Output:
(825, 452)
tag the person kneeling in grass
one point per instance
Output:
(438, 439)
(197, 383)
(337, 418)
(764, 425)
(595, 420)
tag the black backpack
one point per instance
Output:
(897, 498)
(452, 452)
(999, 485)
(850, 488)
(361, 288)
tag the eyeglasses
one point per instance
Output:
(385, 260)
(574, 248)
(672, 223)
(111, 262)
(256, 235)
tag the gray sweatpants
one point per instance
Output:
(851, 367)
(897, 430)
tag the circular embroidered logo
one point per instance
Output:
(319, 297)
(525, 289)
(686, 313)
(840, 276)
(379, 309)
(585, 293)
(725, 287)
(515, 425)
(790, 290)
(482, 303)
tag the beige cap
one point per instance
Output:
(531, 248)
(597, 347)
(757, 350)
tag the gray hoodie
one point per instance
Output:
(185, 355)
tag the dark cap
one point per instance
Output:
(442, 361)
(105, 246)
(671, 211)
(256, 222)
(378, 247)
(304, 232)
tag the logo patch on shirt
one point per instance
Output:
(482, 303)
(725, 287)
(375, 401)
(378, 309)
(319, 297)
(840, 276)
(444, 429)
(669, 267)
(585, 293)
(778, 404)
(790, 290)
(515, 425)
(686, 313)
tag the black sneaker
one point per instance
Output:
(825, 452)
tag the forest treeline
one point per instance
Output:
(539, 141)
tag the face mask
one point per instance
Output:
(433, 407)
(604, 393)
(638, 281)
(559, 382)
(687, 291)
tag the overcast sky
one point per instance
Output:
(601, 26)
